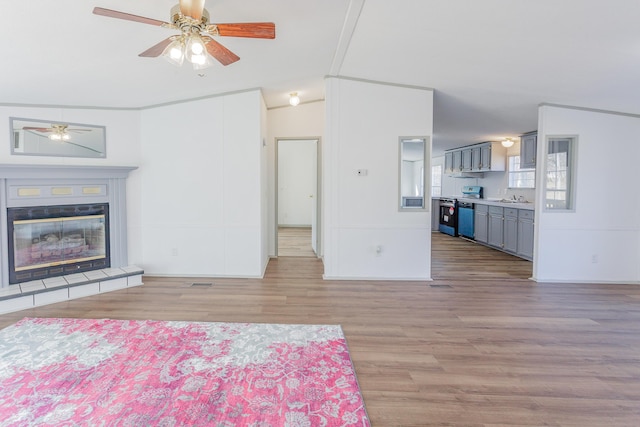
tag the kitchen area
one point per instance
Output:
(487, 196)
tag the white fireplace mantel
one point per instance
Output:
(23, 185)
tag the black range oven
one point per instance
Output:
(448, 216)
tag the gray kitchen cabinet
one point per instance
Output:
(448, 162)
(466, 160)
(505, 228)
(490, 156)
(496, 226)
(510, 243)
(457, 161)
(525, 233)
(528, 148)
(476, 158)
(482, 157)
(485, 157)
(481, 230)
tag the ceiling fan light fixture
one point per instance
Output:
(195, 46)
(174, 52)
(294, 99)
(201, 61)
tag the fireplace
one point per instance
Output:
(49, 241)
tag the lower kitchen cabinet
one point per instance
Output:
(496, 226)
(481, 230)
(507, 229)
(525, 234)
(510, 230)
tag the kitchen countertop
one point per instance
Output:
(494, 202)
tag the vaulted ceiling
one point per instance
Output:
(490, 62)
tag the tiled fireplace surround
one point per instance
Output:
(42, 185)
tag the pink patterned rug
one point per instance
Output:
(86, 372)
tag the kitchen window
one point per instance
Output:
(520, 177)
(559, 173)
(436, 180)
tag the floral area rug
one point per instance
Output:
(86, 372)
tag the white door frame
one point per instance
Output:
(318, 221)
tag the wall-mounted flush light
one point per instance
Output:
(294, 99)
(508, 142)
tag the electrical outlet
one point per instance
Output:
(594, 258)
(174, 251)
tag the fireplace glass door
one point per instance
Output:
(53, 246)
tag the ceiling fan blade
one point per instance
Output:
(221, 53)
(156, 50)
(256, 30)
(192, 8)
(37, 129)
(127, 16)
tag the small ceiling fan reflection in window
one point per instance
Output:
(59, 132)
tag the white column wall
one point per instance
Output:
(201, 187)
(600, 240)
(364, 122)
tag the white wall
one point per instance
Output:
(201, 187)
(122, 134)
(296, 182)
(304, 121)
(364, 122)
(605, 226)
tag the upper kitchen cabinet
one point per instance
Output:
(467, 165)
(493, 157)
(448, 162)
(457, 161)
(483, 157)
(528, 147)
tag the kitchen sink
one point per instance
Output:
(513, 201)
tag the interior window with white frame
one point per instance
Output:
(560, 170)
(520, 177)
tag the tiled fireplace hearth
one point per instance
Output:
(36, 251)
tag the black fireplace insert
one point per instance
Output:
(50, 241)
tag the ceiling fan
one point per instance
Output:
(196, 34)
(57, 132)
(60, 132)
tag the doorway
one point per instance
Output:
(297, 205)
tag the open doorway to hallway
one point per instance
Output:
(297, 204)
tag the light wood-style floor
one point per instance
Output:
(295, 241)
(458, 351)
(457, 258)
